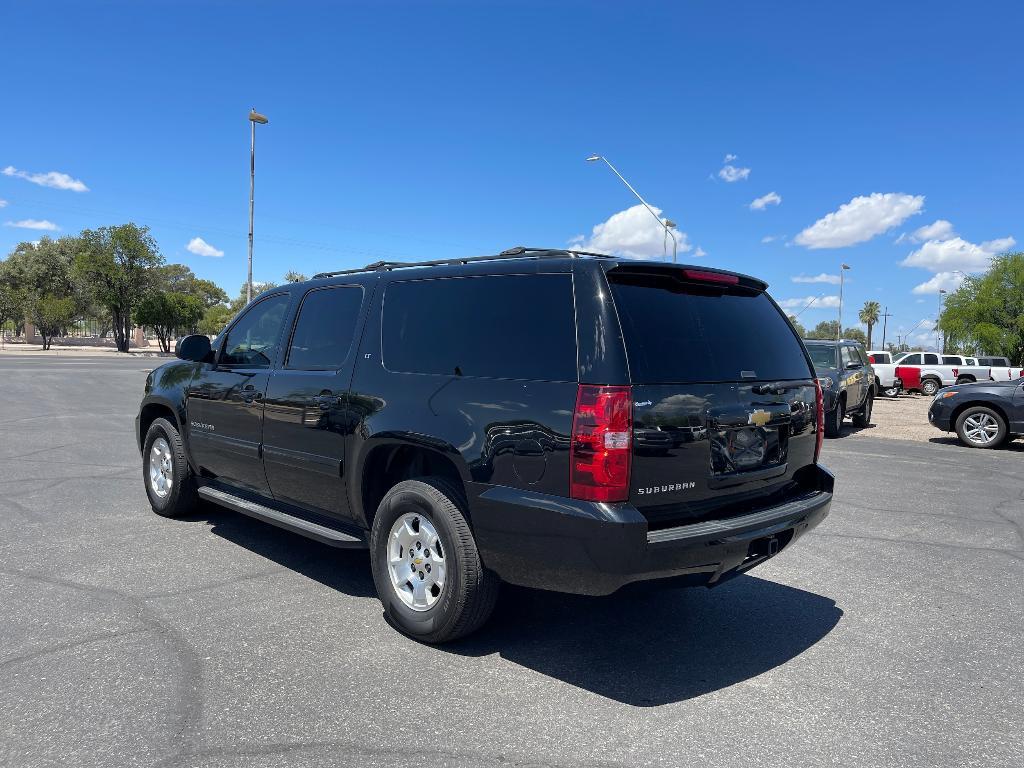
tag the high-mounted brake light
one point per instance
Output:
(711, 277)
(819, 407)
(602, 440)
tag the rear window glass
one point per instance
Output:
(685, 332)
(947, 360)
(495, 326)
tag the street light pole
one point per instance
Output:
(254, 117)
(842, 276)
(938, 322)
(664, 223)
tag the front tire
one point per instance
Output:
(929, 387)
(894, 390)
(981, 427)
(170, 484)
(426, 565)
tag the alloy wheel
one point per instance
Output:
(416, 562)
(161, 468)
(981, 428)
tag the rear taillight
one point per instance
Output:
(602, 439)
(819, 407)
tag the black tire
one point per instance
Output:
(181, 497)
(980, 413)
(863, 417)
(469, 592)
(834, 419)
(893, 391)
(929, 387)
(965, 380)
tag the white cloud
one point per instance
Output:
(940, 229)
(957, 253)
(33, 224)
(731, 173)
(860, 220)
(699, 252)
(632, 232)
(53, 179)
(823, 302)
(769, 238)
(948, 280)
(200, 247)
(729, 158)
(822, 278)
(772, 198)
(3, 203)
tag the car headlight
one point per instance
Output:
(826, 383)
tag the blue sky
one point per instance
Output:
(436, 129)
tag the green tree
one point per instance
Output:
(869, 315)
(214, 319)
(826, 329)
(11, 310)
(169, 314)
(51, 316)
(986, 312)
(291, 276)
(257, 288)
(178, 278)
(35, 274)
(118, 265)
(801, 331)
(855, 334)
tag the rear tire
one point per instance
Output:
(981, 427)
(929, 387)
(965, 380)
(863, 417)
(465, 598)
(834, 420)
(170, 484)
(893, 391)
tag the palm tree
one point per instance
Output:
(869, 316)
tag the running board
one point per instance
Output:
(307, 528)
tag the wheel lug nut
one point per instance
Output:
(421, 575)
(419, 545)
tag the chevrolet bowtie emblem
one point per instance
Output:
(759, 418)
(418, 561)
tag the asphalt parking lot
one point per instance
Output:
(892, 635)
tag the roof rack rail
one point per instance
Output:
(518, 252)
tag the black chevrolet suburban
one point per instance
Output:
(548, 418)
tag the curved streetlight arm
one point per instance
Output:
(675, 242)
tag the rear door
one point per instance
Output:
(724, 396)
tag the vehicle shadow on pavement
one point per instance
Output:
(1010, 445)
(346, 570)
(654, 646)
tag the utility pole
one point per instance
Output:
(842, 275)
(885, 323)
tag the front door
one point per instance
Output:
(307, 415)
(854, 372)
(225, 399)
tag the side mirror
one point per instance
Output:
(195, 348)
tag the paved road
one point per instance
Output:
(891, 636)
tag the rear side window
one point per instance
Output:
(324, 330)
(680, 332)
(495, 326)
(930, 359)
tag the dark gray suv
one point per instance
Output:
(847, 382)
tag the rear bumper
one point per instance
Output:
(564, 545)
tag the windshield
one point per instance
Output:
(822, 356)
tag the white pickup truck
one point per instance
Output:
(1001, 368)
(886, 382)
(933, 371)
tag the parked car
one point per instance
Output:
(547, 418)
(847, 382)
(934, 371)
(886, 381)
(983, 415)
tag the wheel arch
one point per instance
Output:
(154, 408)
(955, 415)
(387, 461)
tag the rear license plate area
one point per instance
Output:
(743, 449)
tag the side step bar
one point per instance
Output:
(307, 528)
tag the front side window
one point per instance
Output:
(253, 341)
(494, 326)
(325, 328)
(849, 357)
(910, 360)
